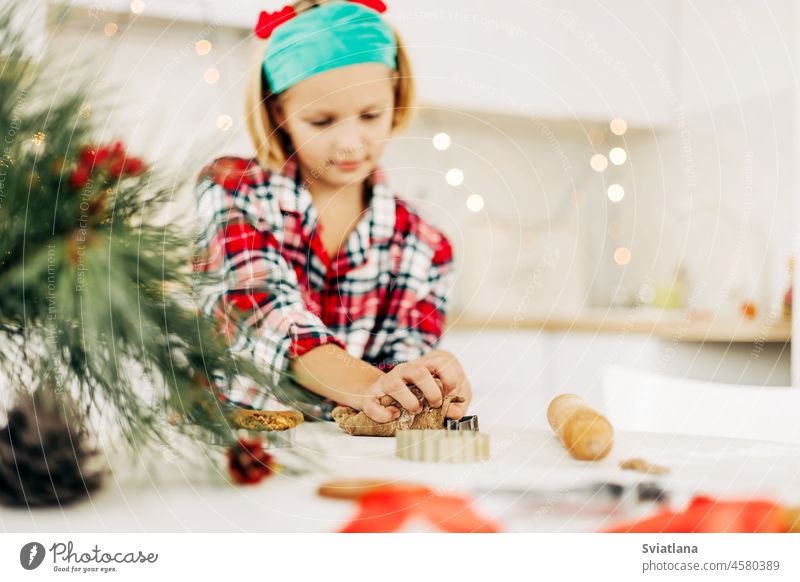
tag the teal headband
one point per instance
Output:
(329, 36)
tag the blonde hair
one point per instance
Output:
(272, 144)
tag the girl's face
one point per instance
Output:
(339, 122)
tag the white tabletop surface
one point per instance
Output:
(168, 494)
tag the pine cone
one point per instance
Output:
(44, 454)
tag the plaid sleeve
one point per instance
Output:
(419, 322)
(249, 287)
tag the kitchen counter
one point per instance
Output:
(524, 487)
(668, 324)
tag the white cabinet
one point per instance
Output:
(515, 374)
(564, 60)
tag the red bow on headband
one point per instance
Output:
(269, 21)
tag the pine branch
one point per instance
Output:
(90, 286)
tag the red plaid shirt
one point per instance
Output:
(276, 292)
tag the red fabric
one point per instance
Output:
(376, 5)
(707, 515)
(111, 159)
(389, 510)
(233, 173)
(269, 21)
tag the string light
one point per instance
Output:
(211, 76)
(475, 202)
(110, 29)
(137, 6)
(38, 138)
(598, 162)
(578, 198)
(622, 256)
(616, 192)
(224, 122)
(441, 141)
(618, 126)
(597, 137)
(615, 229)
(202, 47)
(454, 177)
(617, 156)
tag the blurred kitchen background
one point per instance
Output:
(618, 178)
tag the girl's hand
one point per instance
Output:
(448, 369)
(420, 373)
(395, 384)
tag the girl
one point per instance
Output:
(319, 272)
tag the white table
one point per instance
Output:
(165, 494)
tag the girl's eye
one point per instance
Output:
(365, 116)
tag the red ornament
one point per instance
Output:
(248, 462)
(80, 177)
(113, 160)
(748, 309)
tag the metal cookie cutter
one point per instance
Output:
(459, 441)
(463, 423)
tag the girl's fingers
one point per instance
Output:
(378, 413)
(398, 390)
(423, 379)
(454, 411)
(449, 372)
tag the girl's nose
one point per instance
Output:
(351, 139)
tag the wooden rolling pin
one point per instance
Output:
(584, 432)
(791, 518)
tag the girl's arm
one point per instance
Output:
(419, 326)
(254, 294)
(333, 373)
(251, 290)
(419, 320)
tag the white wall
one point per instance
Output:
(535, 244)
(731, 51)
(731, 185)
(568, 60)
(732, 152)
(795, 71)
(149, 87)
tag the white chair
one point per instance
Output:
(641, 401)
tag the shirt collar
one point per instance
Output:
(379, 222)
